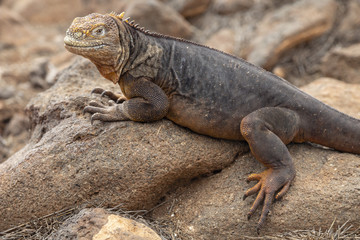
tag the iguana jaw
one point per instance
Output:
(71, 44)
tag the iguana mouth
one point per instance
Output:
(71, 42)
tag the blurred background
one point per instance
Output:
(300, 40)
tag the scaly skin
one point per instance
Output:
(211, 93)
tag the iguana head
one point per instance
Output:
(102, 39)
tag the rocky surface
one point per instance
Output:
(343, 64)
(349, 22)
(326, 188)
(190, 8)
(158, 17)
(289, 26)
(223, 40)
(340, 95)
(68, 161)
(232, 6)
(57, 159)
(97, 224)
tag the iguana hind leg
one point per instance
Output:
(267, 130)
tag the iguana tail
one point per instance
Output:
(328, 127)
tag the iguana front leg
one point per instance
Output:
(267, 130)
(146, 102)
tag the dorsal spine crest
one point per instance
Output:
(127, 20)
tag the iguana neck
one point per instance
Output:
(145, 55)
(115, 70)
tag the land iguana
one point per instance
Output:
(211, 93)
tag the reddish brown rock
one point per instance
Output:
(190, 8)
(326, 188)
(289, 26)
(13, 29)
(4, 150)
(343, 64)
(232, 6)
(223, 40)
(340, 95)
(15, 32)
(98, 224)
(158, 17)
(350, 23)
(68, 161)
(60, 12)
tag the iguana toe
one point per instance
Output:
(270, 181)
(121, 100)
(97, 90)
(113, 96)
(95, 109)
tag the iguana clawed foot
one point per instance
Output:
(112, 113)
(270, 181)
(117, 98)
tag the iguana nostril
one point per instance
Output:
(78, 34)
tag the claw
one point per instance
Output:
(86, 109)
(120, 100)
(270, 181)
(92, 120)
(96, 116)
(95, 104)
(258, 230)
(97, 90)
(104, 93)
(113, 96)
(111, 103)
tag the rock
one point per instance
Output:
(340, 95)
(223, 40)
(343, 64)
(6, 91)
(18, 84)
(20, 41)
(97, 224)
(39, 72)
(190, 8)
(4, 150)
(158, 17)
(326, 188)
(60, 12)
(289, 26)
(68, 161)
(19, 123)
(14, 30)
(232, 6)
(350, 23)
(279, 71)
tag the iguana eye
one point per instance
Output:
(99, 31)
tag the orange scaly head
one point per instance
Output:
(101, 38)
